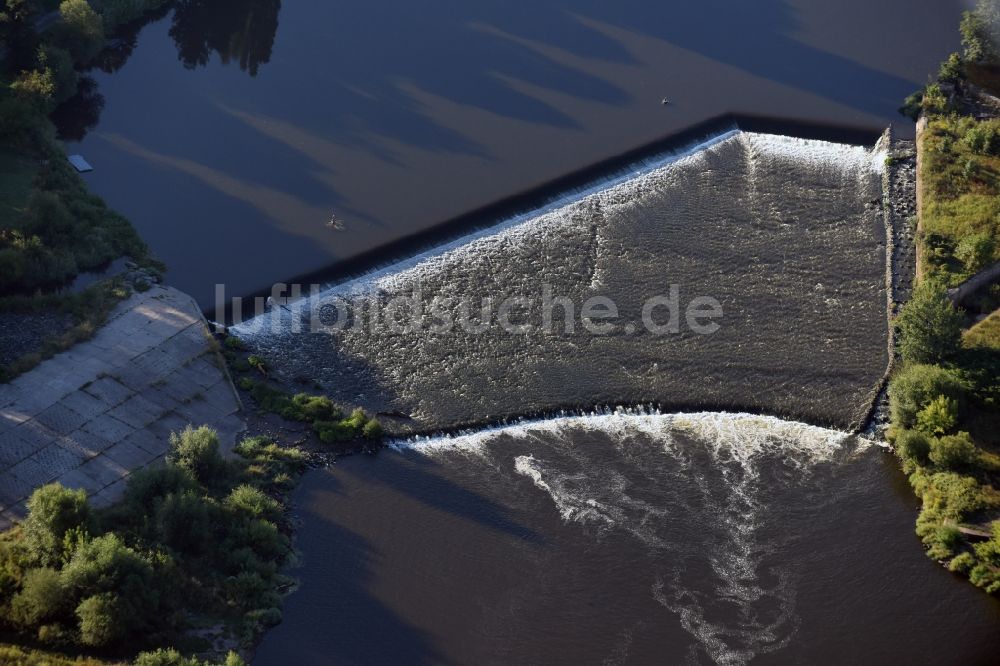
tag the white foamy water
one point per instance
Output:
(690, 488)
(622, 188)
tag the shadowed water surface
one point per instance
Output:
(231, 131)
(624, 538)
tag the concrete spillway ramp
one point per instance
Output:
(785, 235)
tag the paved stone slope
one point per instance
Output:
(91, 415)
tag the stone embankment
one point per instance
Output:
(91, 415)
(900, 209)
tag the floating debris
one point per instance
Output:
(335, 224)
(80, 164)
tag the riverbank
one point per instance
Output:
(944, 395)
(52, 229)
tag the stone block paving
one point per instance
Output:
(90, 416)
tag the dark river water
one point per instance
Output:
(231, 131)
(624, 539)
(252, 141)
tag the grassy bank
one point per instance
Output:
(195, 547)
(945, 396)
(960, 190)
(51, 228)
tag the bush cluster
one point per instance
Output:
(200, 535)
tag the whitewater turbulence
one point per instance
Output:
(785, 234)
(698, 491)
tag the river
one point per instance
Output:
(253, 141)
(624, 539)
(230, 132)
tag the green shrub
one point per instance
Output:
(165, 657)
(934, 99)
(330, 432)
(262, 537)
(962, 563)
(930, 329)
(41, 597)
(372, 430)
(953, 451)
(53, 512)
(983, 138)
(186, 523)
(978, 29)
(234, 343)
(253, 502)
(81, 31)
(106, 565)
(177, 549)
(36, 88)
(943, 541)
(260, 619)
(197, 450)
(939, 417)
(913, 446)
(101, 620)
(64, 77)
(171, 657)
(307, 407)
(952, 69)
(975, 251)
(245, 383)
(913, 387)
(118, 12)
(147, 486)
(913, 105)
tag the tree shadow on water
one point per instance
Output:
(415, 475)
(335, 618)
(239, 31)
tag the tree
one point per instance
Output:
(939, 417)
(197, 450)
(952, 70)
(975, 251)
(119, 583)
(953, 451)
(81, 31)
(40, 598)
(53, 512)
(59, 63)
(37, 88)
(914, 446)
(930, 329)
(17, 32)
(100, 618)
(979, 29)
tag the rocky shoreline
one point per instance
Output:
(900, 209)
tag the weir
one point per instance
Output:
(786, 235)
